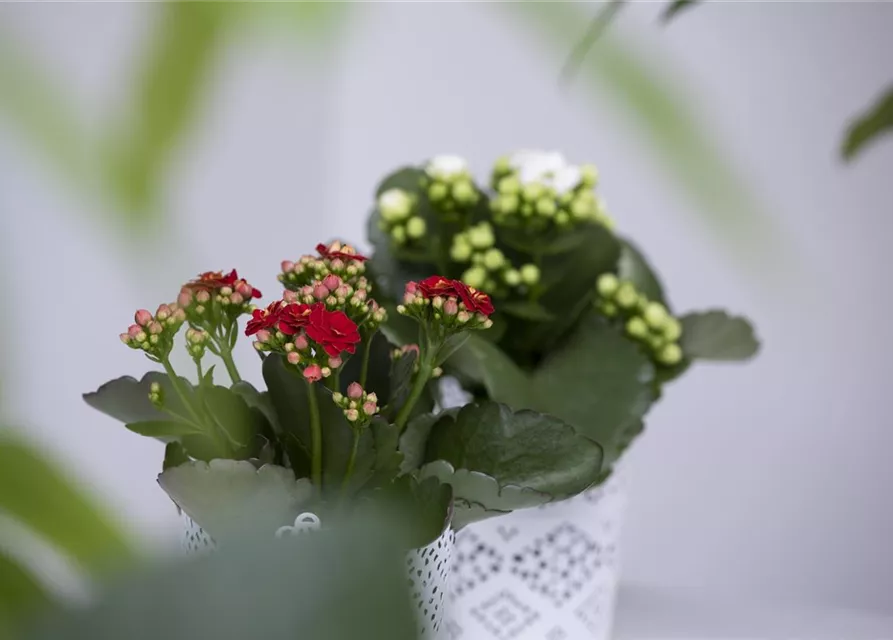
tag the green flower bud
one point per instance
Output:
(655, 341)
(671, 354)
(477, 258)
(481, 236)
(581, 208)
(437, 191)
(493, 260)
(530, 274)
(672, 329)
(489, 285)
(608, 308)
(562, 219)
(507, 203)
(655, 315)
(502, 165)
(509, 185)
(398, 234)
(546, 207)
(475, 277)
(461, 249)
(607, 285)
(589, 175)
(464, 192)
(533, 191)
(395, 205)
(526, 209)
(626, 296)
(416, 227)
(512, 277)
(636, 327)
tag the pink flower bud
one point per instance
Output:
(179, 315)
(290, 296)
(411, 347)
(236, 298)
(185, 298)
(369, 408)
(343, 291)
(334, 363)
(203, 296)
(301, 342)
(463, 317)
(337, 264)
(263, 336)
(142, 317)
(294, 358)
(372, 398)
(125, 338)
(163, 312)
(408, 298)
(287, 265)
(360, 294)
(352, 415)
(155, 328)
(354, 391)
(411, 287)
(226, 291)
(332, 282)
(244, 289)
(450, 307)
(134, 330)
(321, 292)
(312, 373)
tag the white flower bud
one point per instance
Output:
(446, 166)
(395, 205)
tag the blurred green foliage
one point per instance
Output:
(876, 121)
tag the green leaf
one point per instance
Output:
(414, 440)
(164, 430)
(37, 495)
(232, 416)
(526, 310)
(484, 362)
(259, 400)
(477, 495)
(406, 178)
(522, 448)
(388, 273)
(174, 75)
(231, 497)
(674, 7)
(428, 500)
(875, 122)
(378, 376)
(633, 266)
(174, 456)
(402, 375)
(127, 399)
(716, 335)
(20, 593)
(288, 394)
(388, 459)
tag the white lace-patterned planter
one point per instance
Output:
(549, 573)
(428, 568)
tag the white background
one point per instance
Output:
(770, 480)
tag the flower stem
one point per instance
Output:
(315, 437)
(181, 392)
(226, 354)
(351, 463)
(426, 367)
(364, 369)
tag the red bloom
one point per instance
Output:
(264, 318)
(475, 301)
(337, 250)
(332, 330)
(293, 317)
(214, 280)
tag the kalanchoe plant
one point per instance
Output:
(348, 417)
(582, 330)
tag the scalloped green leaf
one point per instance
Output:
(523, 448)
(127, 399)
(634, 266)
(164, 430)
(427, 501)
(716, 335)
(405, 178)
(230, 497)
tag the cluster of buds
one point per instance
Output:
(538, 189)
(196, 342)
(650, 323)
(399, 218)
(336, 293)
(449, 305)
(337, 259)
(156, 394)
(400, 352)
(215, 298)
(490, 269)
(359, 407)
(449, 185)
(312, 337)
(154, 334)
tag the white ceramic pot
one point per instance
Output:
(428, 569)
(549, 573)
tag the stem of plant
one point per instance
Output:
(426, 368)
(364, 369)
(181, 392)
(351, 462)
(315, 437)
(226, 355)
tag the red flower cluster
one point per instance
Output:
(331, 330)
(475, 301)
(334, 251)
(215, 280)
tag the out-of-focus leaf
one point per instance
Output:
(33, 492)
(633, 266)
(649, 95)
(716, 335)
(674, 7)
(20, 593)
(868, 127)
(174, 73)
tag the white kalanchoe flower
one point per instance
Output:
(566, 179)
(395, 205)
(446, 167)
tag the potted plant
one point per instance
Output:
(583, 332)
(348, 419)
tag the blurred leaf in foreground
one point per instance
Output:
(673, 8)
(343, 584)
(868, 127)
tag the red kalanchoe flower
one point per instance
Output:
(264, 319)
(214, 280)
(475, 301)
(332, 330)
(293, 317)
(337, 250)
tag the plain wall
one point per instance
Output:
(768, 479)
